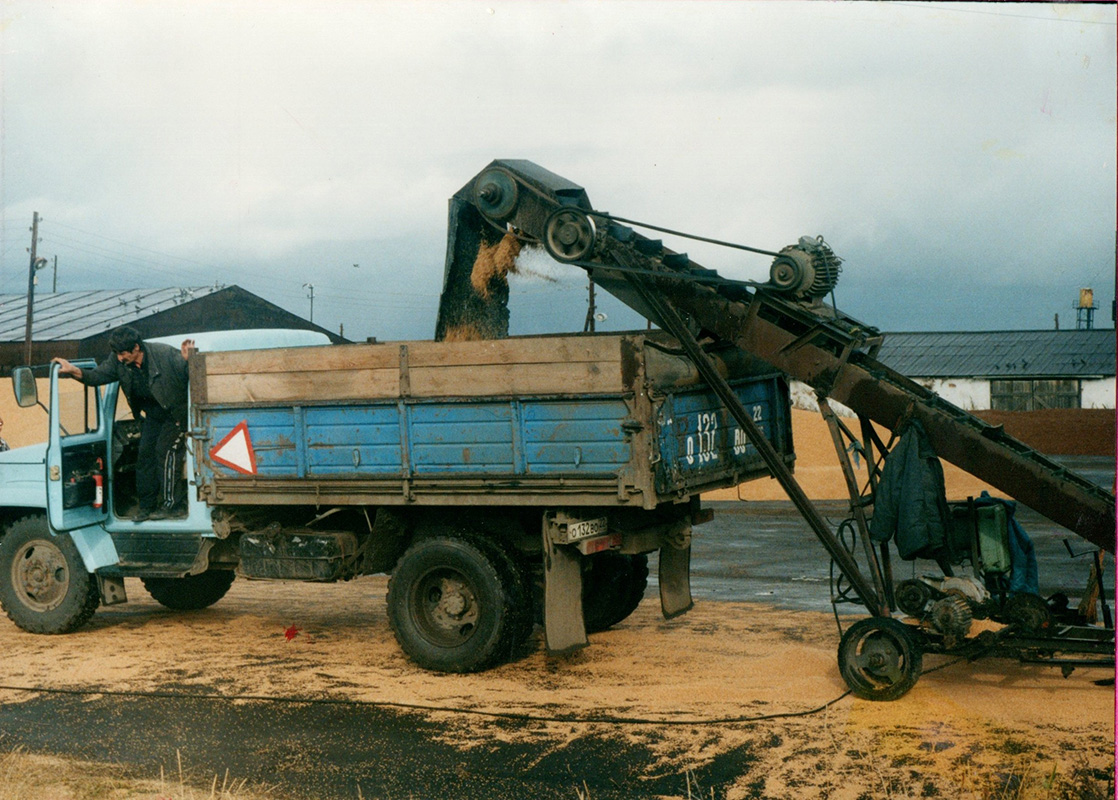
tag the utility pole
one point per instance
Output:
(32, 267)
(311, 287)
(588, 326)
(54, 283)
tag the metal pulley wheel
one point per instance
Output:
(496, 193)
(569, 235)
(913, 596)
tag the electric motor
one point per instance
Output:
(808, 269)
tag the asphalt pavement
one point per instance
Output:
(765, 552)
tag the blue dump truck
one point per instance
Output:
(500, 483)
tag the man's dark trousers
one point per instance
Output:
(157, 440)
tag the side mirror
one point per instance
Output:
(24, 387)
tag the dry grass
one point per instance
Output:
(1025, 779)
(25, 775)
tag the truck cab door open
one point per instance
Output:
(77, 454)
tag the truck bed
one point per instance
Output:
(599, 420)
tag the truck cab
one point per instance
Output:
(81, 482)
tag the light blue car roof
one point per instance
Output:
(250, 339)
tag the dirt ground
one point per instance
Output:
(961, 731)
(991, 729)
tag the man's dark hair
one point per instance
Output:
(123, 339)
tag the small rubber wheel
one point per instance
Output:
(454, 605)
(193, 592)
(44, 586)
(879, 659)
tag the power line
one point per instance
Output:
(98, 250)
(955, 8)
(77, 244)
(135, 246)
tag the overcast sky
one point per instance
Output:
(960, 158)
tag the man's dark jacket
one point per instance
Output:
(911, 499)
(167, 374)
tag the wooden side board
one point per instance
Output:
(515, 366)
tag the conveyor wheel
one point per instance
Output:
(879, 659)
(913, 596)
(496, 194)
(568, 235)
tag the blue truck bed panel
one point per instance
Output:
(653, 443)
(500, 438)
(699, 439)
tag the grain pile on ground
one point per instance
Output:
(992, 729)
(1060, 431)
(819, 473)
(26, 775)
(961, 731)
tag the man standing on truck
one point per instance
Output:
(153, 377)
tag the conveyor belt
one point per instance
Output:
(807, 340)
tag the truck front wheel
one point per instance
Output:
(44, 587)
(191, 593)
(453, 604)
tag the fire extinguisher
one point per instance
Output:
(99, 485)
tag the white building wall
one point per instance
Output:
(1098, 393)
(803, 397)
(968, 394)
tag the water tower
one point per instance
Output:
(1085, 310)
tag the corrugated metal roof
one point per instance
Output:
(1001, 354)
(64, 316)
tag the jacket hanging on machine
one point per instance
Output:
(911, 500)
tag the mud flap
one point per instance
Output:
(112, 590)
(675, 580)
(564, 628)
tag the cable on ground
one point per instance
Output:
(505, 715)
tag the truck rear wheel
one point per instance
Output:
(612, 588)
(456, 605)
(44, 586)
(193, 592)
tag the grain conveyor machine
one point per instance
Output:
(786, 322)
